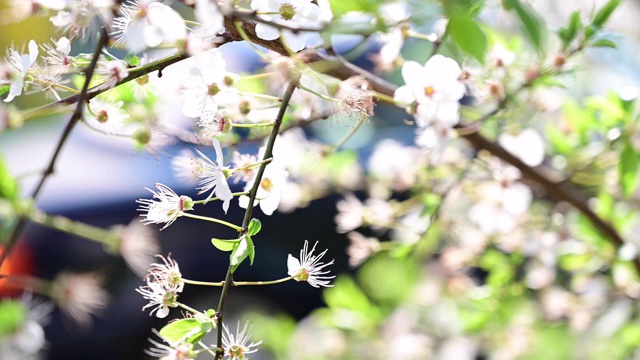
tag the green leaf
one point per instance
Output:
(628, 168)
(4, 89)
(605, 12)
(468, 35)
(571, 31)
(530, 23)
(8, 184)
(244, 249)
(179, 330)
(254, 227)
(604, 43)
(132, 59)
(341, 7)
(225, 244)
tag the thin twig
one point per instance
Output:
(228, 281)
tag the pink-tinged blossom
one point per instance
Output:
(173, 351)
(165, 206)
(138, 244)
(211, 124)
(350, 214)
(80, 296)
(309, 268)
(212, 177)
(112, 72)
(19, 65)
(58, 55)
(292, 13)
(435, 88)
(242, 166)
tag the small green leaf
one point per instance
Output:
(628, 168)
(4, 89)
(8, 184)
(13, 314)
(468, 35)
(571, 31)
(225, 244)
(530, 23)
(132, 59)
(604, 43)
(254, 227)
(179, 330)
(605, 12)
(242, 251)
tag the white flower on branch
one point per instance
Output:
(168, 273)
(145, 24)
(212, 177)
(185, 166)
(79, 295)
(309, 268)
(58, 55)
(435, 88)
(209, 16)
(237, 346)
(112, 72)
(243, 171)
(209, 85)
(161, 297)
(165, 207)
(106, 116)
(211, 124)
(291, 13)
(74, 17)
(19, 65)
(273, 182)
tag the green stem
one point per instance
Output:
(261, 96)
(252, 196)
(216, 198)
(188, 308)
(77, 228)
(347, 136)
(237, 283)
(249, 126)
(205, 218)
(322, 96)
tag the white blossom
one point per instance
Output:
(212, 177)
(112, 71)
(435, 87)
(242, 166)
(138, 244)
(165, 206)
(105, 115)
(173, 351)
(19, 67)
(148, 24)
(160, 297)
(185, 166)
(25, 340)
(237, 346)
(309, 268)
(80, 295)
(273, 182)
(168, 273)
(211, 124)
(527, 146)
(292, 13)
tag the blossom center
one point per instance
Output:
(287, 11)
(266, 184)
(429, 91)
(102, 116)
(213, 89)
(236, 352)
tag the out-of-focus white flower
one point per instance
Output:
(361, 248)
(237, 346)
(502, 201)
(209, 16)
(211, 124)
(25, 340)
(309, 268)
(74, 17)
(350, 214)
(436, 89)
(242, 166)
(434, 140)
(501, 57)
(292, 13)
(185, 166)
(19, 65)
(411, 227)
(273, 182)
(527, 146)
(105, 115)
(160, 297)
(166, 207)
(167, 274)
(212, 177)
(393, 164)
(113, 72)
(209, 85)
(174, 351)
(79, 296)
(138, 244)
(148, 24)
